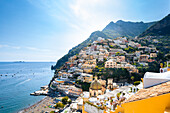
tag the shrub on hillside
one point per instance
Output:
(64, 100)
(136, 83)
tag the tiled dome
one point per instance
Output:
(95, 85)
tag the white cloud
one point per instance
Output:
(9, 46)
(16, 47)
(1, 46)
(37, 49)
(29, 48)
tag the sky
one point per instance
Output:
(45, 30)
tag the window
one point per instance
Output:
(94, 93)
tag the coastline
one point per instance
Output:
(21, 80)
(31, 107)
(45, 105)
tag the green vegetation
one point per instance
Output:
(152, 67)
(76, 50)
(65, 100)
(132, 78)
(130, 49)
(59, 105)
(118, 74)
(160, 32)
(114, 47)
(160, 28)
(112, 30)
(125, 28)
(69, 102)
(118, 95)
(84, 85)
(136, 83)
(128, 29)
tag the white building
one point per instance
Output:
(100, 39)
(151, 79)
(84, 77)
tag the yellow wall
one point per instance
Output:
(83, 111)
(156, 104)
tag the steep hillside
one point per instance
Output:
(112, 30)
(77, 49)
(160, 28)
(128, 29)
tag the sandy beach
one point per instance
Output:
(45, 105)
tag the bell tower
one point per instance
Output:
(110, 83)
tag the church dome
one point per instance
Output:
(95, 85)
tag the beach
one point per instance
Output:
(41, 106)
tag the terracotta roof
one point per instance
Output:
(154, 91)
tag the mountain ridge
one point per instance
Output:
(116, 29)
(128, 29)
(161, 27)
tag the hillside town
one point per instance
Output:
(85, 56)
(88, 77)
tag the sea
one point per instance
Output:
(18, 80)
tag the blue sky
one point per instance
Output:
(45, 30)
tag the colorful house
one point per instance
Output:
(152, 99)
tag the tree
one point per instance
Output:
(111, 46)
(69, 102)
(118, 95)
(117, 53)
(96, 67)
(160, 55)
(59, 105)
(136, 83)
(105, 59)
(165, 64)
(64, 100)
(85, 86)
(97, 59)
(132, 78)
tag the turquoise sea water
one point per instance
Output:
(21, 80)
